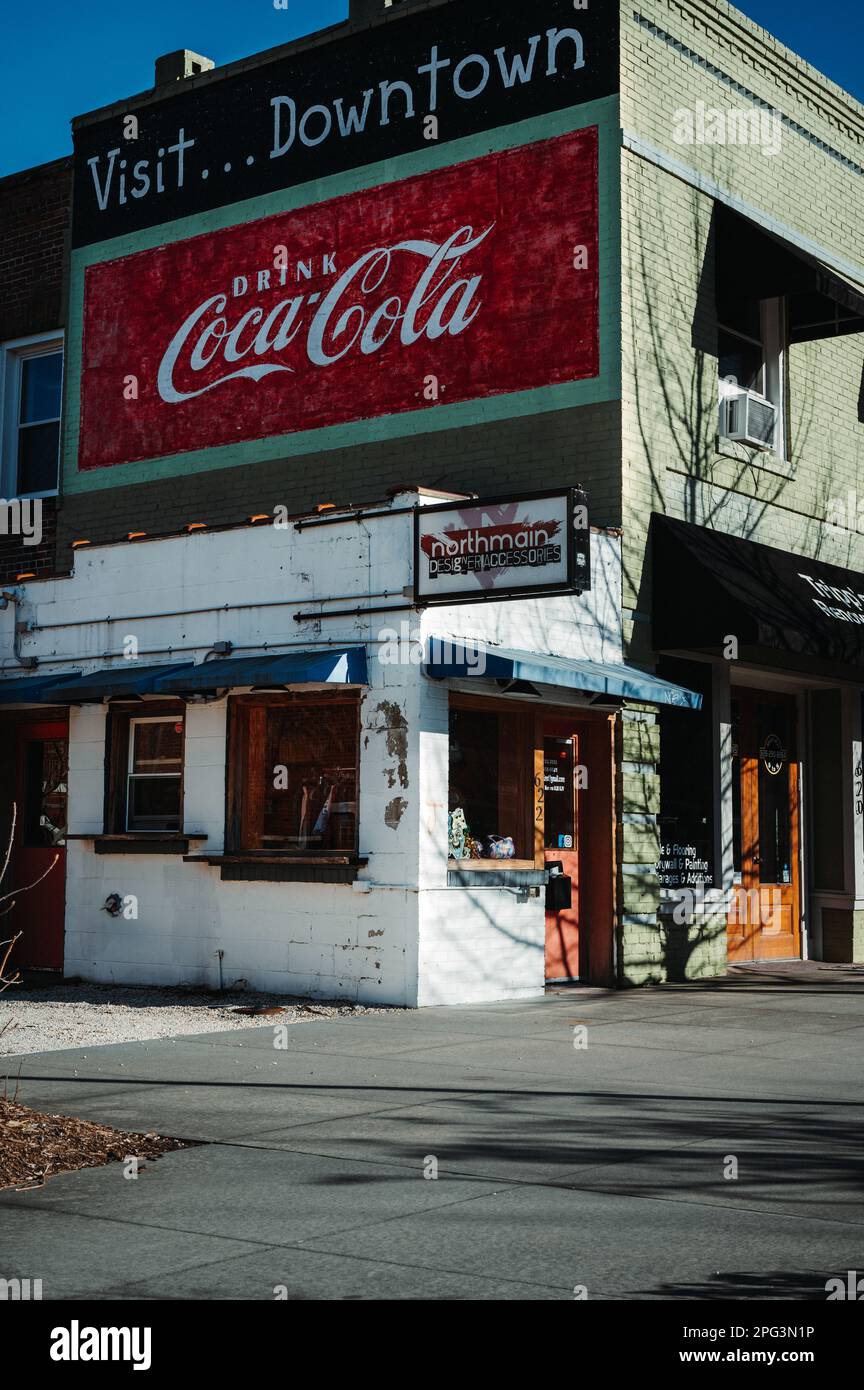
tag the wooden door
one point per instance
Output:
(40, 798)
(764, 915)
(562, 824)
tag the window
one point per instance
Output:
(32, 380)
(751, 337)
(155, 773)
(559, 800)
(293, 774)
(43, 814)
(491, 783)
(828, 790)
(144, 787)
(686, 817)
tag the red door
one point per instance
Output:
(562, 776)
(40, 800)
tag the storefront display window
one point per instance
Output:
(686, 818)
(827, 790)
(491, 779)
(293, 774)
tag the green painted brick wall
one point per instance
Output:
(564, 447)
(669, 379)
(640, 793)
(676, 53)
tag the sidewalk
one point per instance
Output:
(558, 1166)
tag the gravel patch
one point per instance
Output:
(87, 1015)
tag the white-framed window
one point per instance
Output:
(154, 776)
(751, 353)
(31, 389)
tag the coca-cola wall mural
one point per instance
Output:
(345, 100)
(481, 278)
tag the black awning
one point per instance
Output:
(709, 586)
(754, 264)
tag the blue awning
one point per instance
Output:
(336, 666)
(30, 690)
(476, 661)
(114, 682)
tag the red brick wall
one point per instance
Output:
(34, 219)
(34, 216)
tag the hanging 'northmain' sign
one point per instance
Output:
(502, 547)
(430, 77)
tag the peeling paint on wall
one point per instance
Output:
(395, 726)
(395, 811)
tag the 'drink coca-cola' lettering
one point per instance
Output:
(358, 313)
(409, 297)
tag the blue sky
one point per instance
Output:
(60, 59)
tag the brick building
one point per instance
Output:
(639, 295)
(34, 227)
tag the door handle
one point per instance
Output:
(756, 859)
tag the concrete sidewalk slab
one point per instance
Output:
(556, 1166)
(618, 1248)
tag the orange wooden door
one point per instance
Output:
(41, 824)
(764, 915)
(561, 786)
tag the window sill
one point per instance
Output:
(498, 877)
(155, 842)
(283, 868)
(485, 866)
(764, 459)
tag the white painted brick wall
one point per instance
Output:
(400, 935)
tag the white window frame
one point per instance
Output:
(130, 773)
(772, 317)
(12, 356)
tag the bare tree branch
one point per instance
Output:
(10, 900)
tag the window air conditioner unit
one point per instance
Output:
(748, 418)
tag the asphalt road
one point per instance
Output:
(700, 1141)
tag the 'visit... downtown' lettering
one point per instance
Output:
(362, 97)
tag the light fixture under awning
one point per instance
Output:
(335, 666)
(753, 264)
(476, 661)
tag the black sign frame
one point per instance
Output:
(578, 545)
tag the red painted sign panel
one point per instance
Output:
(467, 282)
